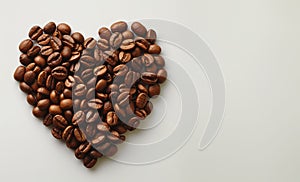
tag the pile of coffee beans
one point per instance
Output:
(90, 92)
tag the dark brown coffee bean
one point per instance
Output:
(43, 104)
(49, 28)
(112, 118)
(46, 51)
(87, 60)
(104, 33)
(47, 121)
(101, 85)
(30, 67)
(99, 138)
(57, 133)
(80, 90)
(147, 59)
(38, 113)
(107, 107)
(124, 57)
(40, 61)
(59, 121)
(159, 61)
(55, 109)
(68, 41)
(67, 93)
(32, 52)
(34, 86)
(75, 57)
(87, 74)
(31, 99)
(78, 118)
(60, 86)
(120, 70)
(25, 59)
(100, 70)
(136, 52)
(110, 57)
(66, 52)
(35, 32)
(43, 91)
(120, 129)
(148, 107)
(57, 34)
(54, 59)
(103, 44)
(70, 81)
(127, 44)
(127, 34)
(162, 75)
(151, 36)
(66, 104)
(19, 73)
(142, 88)
(138, 29)
(154, 49)
(78, 37)
(59, 73)
(89, 162)
(64, 28)
(154, 90)
(92, 116)
(89, 43)
(142, 114)
(43, 40)
(115, 40)
(141, 100)
(95, 103)
(120, 112)
(50, 82)
(82, 150)
(67, 132)
(29, 77)
(79, 135)
(25, 45)
(103, 127)
(142, 43)
(149, 78)
(95, 154)
(131, 77)
(119, 26)
(41, 79)
(56, 43)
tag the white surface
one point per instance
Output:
(257, 45)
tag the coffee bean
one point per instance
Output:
(115, 40)
(98, 139)
(112, 150)
(70, 81)
(67, 132)
(133, 122)
(154, 90)
(100, 70)
(43, 91)
(29, 77)
(114, 137)
(48, 120)
(64, 28)
(80, 90)
(49, 28)
(25, 59)
(75, 57)
(103, 44)
(142, 88)
(50, 82)
(87, 74)
(19, 73)
(110, 57)
(82, 150)
(149, 78)
(159, 61)
(101, 84)
(119, 26)
(112, 118)
(90, 43)
(90, 130)
(66, 104)
(57, 34)
(147, 59)
(120, 70)
(103, 127)
(25, 45)
(43, 104)
(68, 41)
(127, 44)
(142, 43)
(55, 109)
(127, 34)
(35, 32)
(120, 112)
(120, 129)
(104, 33)
(40, 61)
(148, 107)
(78, 37)
(66, 52)
(124, 57)
(46, 51)
(141, 114)
(138, 29)
(131, 77)
(56, 43)
(136, 52)
(43, 40)
(32, 52)
(154, 49)
(41, 79)
(59, 121)
(92, 116)
(57, 133)
(89, 162)
(31, 99)
(95, 154)
(95, 103)
(79, 135)
(59, 73)
(151, 36)
(54, 59)
(67, 93)
(141, 100)
(78, 118)
(38, 113)
(162, 75)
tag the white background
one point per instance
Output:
(257, 44)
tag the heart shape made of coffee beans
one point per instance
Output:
(91, 92)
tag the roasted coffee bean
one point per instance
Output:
(90, 130)
(107, 107)
(87, 74)
(19, 73)
(38, 113)
(127, 44)
(64, 28)
(148, 107)
(43, 40)
(46, 51)
(154, 90)
(110, 57)
(25, 59)
(127, 34)
(43, 91)
(70, 81)
(87, 60)
(104, 33)
(78, 118)
(25, 45)
(142, 43)
(40, 61)
(103, 147)
(142, 114)
(31, 99)
(149, 78)
(115, 40)
(54, 59)
(68, 114)
(48, 69)
(98, 139)
(131, 77)
(60, 73)
(66, 104)
(32, 52)
(89, 43)
(79, 135)
(112, 118)
(55, 109)
(30, 67)
(154, 49)
(147, 59)
(75, 57)
(141, 100)
(29, 77)
(100, 70)
(80, 90)
(120, 112)
(56, 43)
(95, 154)
(95, 103)
(59, 121)
(151, 36)
(111, 150)
(49, 28)
(50, 82)
(123, 99)
(67, 132)
(159, 61)
(57, 34)
(67, 93)
(43, 104)
(103, 44)
(82, 150)
(119, 26)
(35, 32)
(89, 162)
(101, 85)
(138, 29)
(120, 70)
(78, 37)
(142, 88)
(48, 120)
(124, 57)
(68, 41)
(120, 129)
(136, 52)
(161, 75)
(57, 133)
(103, 127)
(66, 52)
(92, 116)
(34, 86)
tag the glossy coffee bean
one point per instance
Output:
(90, 43)
(154, 49)
(59, 73)
(49, 28)
(101, 85)
(43, 104)
(78, 118)
(43, 40)
(115, 40)
(35, 32)
(151, 36)
(119, 26)
(66, 52)
(31, 99)
(79, 135)
(141, 100)
(89, 162)
(55, 109)
(66, 104)
(29, 77)
(19, 73)
(95, 103)
(25, 45)
(40, 61)
(59, 121)
(127, 34)
(154, 90)
(25, 59)
(124, 57)
(112, 118)
(38, 113)
(78, 37)
(149, 78)
(127, 44)
(80, 90)
(64, 28)
(54, 59)
(55, 43)
(57, 133)
(138, 29)
(68, 41)
(32, 52)
(162, 75)
(104, 33)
